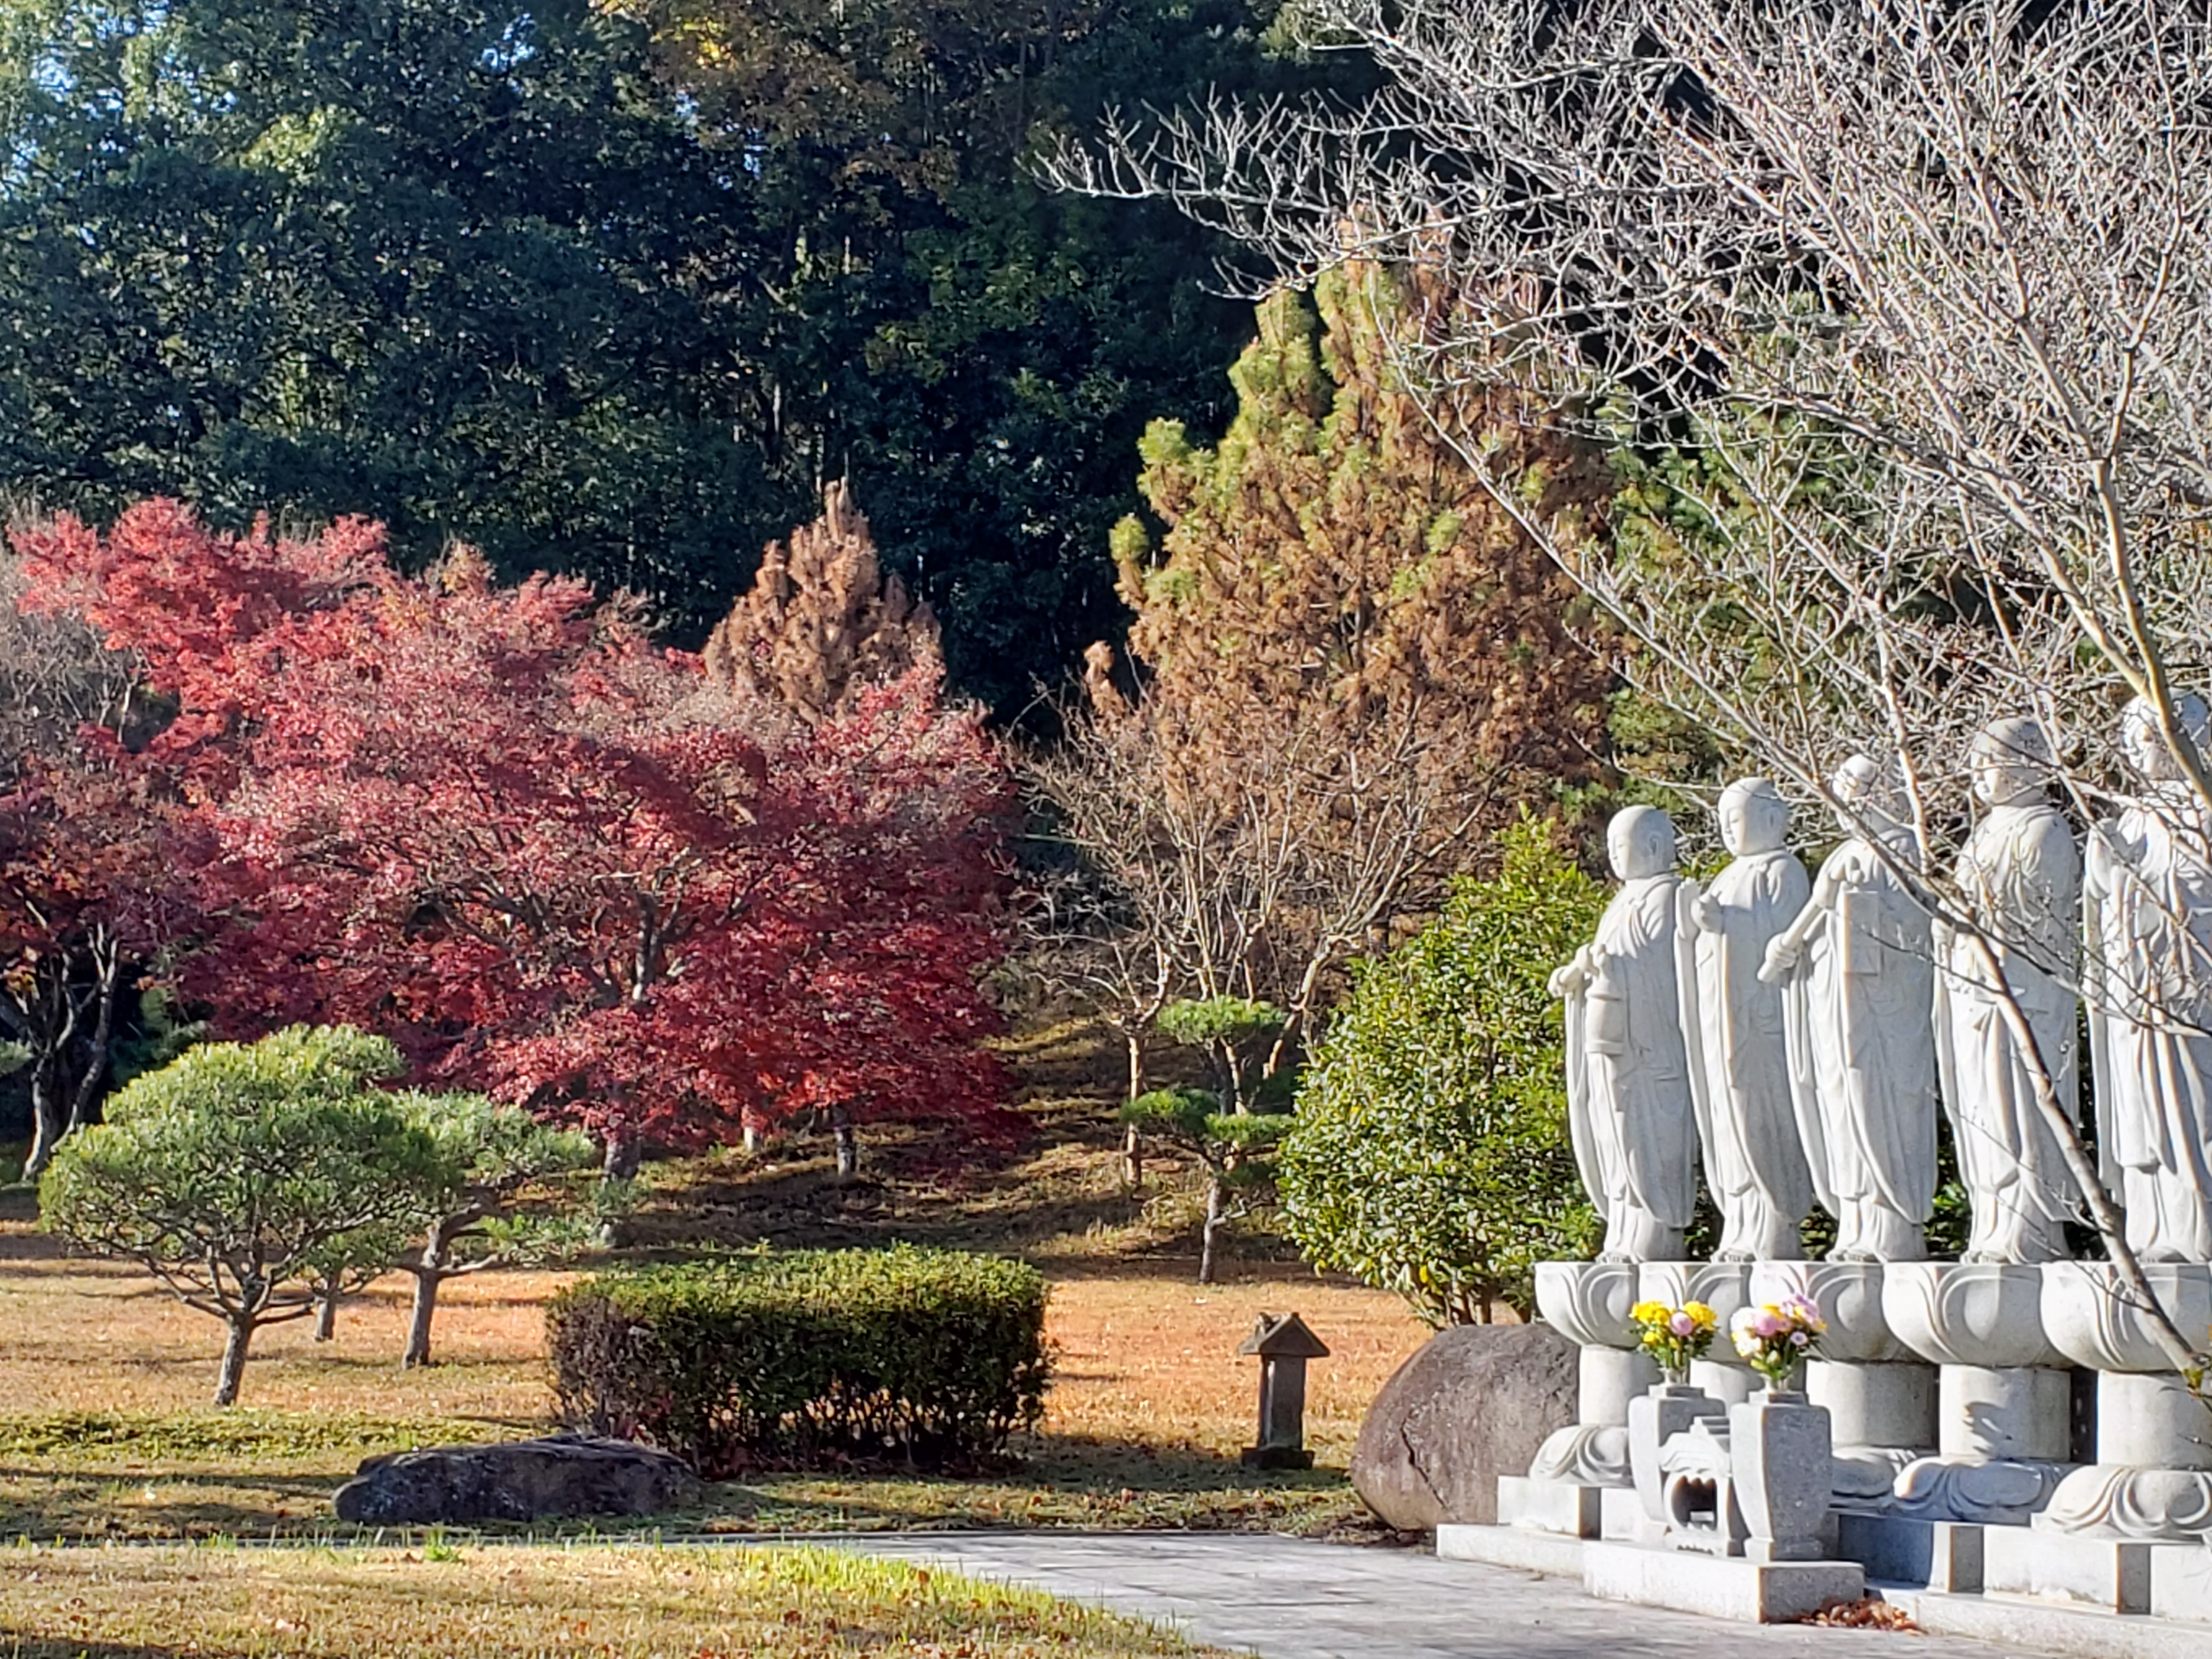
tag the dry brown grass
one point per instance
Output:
(762, 1604)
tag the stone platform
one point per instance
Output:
(1719, 1587)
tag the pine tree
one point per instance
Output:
(1350, 665)
(821, 622)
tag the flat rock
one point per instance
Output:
(1473, 1404)
(519, 1480)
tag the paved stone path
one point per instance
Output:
(1287, 1598)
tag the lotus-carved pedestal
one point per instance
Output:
(2151, 1481)
(2003, 1395)
(1880, 1396)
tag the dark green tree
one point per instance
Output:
(460, 265)
(980, 357)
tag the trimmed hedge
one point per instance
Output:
(926, 1358)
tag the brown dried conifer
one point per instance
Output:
(822, 621)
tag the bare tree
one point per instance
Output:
(1921, 283)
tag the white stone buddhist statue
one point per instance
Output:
(2148, 906)
(2019, 878)
(1733, 1022)
(1628, 1084)
(1858, 968)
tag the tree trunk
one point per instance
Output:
(326, 1315)
(623, 1157)
(233, 1359)
(1212, 1229)
(1133, 1144)
(427, 1280)
(849, 1143)
(46, 1126)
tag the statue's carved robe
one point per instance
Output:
(2023, 876)
(1863, 1057)
(1628, 1084)
(1739, 1059)
(2149, 916)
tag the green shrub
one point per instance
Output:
(927, 1358)
(1430, 1154)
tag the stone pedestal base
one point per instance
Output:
(1884, 1417)
(2153, 1481)
(1520, 1547)
(1720, 1587)
(2181, 1583)
(1880, 1398)
(1752, 1592)
(2002, 1436)
(2003, 1405)
(1895, 1549)
(1567, 1511)
(2097, 1573)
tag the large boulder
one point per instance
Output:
(520, 1480)
(1473, 1404)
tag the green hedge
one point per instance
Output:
(927, 1358)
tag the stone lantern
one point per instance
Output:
(1283, 1345)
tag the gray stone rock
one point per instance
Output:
(1473, 1404)
(520, 1480)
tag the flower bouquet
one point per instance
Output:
(1675, 1336)
(1777, 1337)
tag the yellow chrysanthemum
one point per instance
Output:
(1650, 1313)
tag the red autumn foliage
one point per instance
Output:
(547, 858)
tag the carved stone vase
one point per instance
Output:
(1880, 1395)
(1654, 1417)
(1780, 1447)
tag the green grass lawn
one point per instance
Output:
(249, 1473)
(521, 1603)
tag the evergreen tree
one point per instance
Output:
(457, 265)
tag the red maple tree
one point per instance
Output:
(547, 858)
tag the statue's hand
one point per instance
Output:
(1705, 911)
(1571, 979)
(1783, 954)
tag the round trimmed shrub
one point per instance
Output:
(926, 1358)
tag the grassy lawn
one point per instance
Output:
(104, 1430)
(764, 1603)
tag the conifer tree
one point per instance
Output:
(822, 622)
(1349, 665)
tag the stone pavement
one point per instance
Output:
(1289, 1598)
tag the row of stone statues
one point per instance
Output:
(1800, 1030)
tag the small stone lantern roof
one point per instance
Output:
(1284, 1336)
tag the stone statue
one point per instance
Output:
(1858, 966)
(1628, 1084)
(2147, 910)
(1732, 1020)
(2020, 880)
